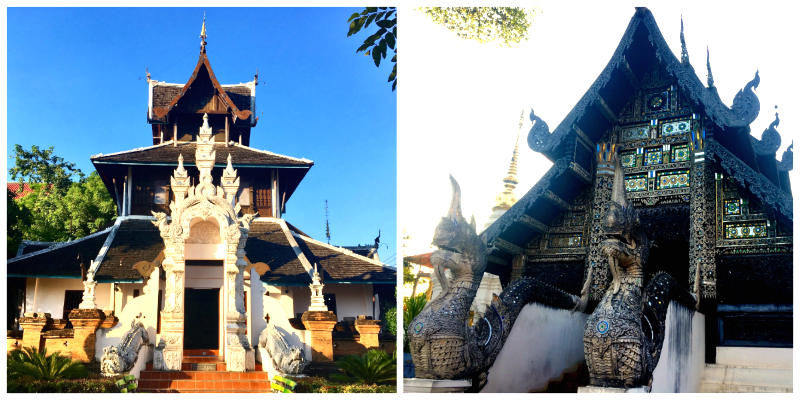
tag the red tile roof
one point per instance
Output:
(15, 188)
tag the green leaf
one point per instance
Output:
(390, 39)
(386, 23)
(376, 57)
(354, 15)
(393, 74)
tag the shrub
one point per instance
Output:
(322, 385)
(376, 366)
(28, 385)
(390, 321)
(412, 306)
(34, 364)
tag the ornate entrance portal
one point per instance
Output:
(212, 214)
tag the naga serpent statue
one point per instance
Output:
(623, 336)
(442, 344)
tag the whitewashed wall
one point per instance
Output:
(50, 295)
(682, 362)
(543, 344)
(351, 300)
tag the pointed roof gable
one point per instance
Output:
(237, 110)
(727, 134)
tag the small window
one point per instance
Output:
(330, 302)
(135, 293)
(72, 300)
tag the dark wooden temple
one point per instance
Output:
(715, 201)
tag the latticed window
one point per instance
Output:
(263, 200)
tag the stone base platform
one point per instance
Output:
(601, 389)
(416, 385)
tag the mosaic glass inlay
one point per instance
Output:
(676, 128)
(733, 207)
(636, 133)
(680, 153)
(658, 101)
(636, 183)
(652, 157)
(565, 240)
(628, 159)
(673, 179)
(744, 230)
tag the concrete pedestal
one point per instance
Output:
(85, 324)
(368, 330)
(416, 385)
(32, 325)
(320, 324)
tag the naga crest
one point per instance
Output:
(625, 239)
(455, 235)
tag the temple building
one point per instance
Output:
(715, 203)
(199, 253)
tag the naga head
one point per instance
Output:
(456, 236)
(625, 239)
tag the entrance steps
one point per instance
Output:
(748, 370)
(203, 371)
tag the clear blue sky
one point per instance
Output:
(76, 81)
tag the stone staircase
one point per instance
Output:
(749, 370)
(203, 371)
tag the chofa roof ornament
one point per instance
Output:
(539, 137)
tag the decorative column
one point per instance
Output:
(596, 275)
(32, 324)
(320, 322)
(368, 330)
(702, 267)
(239, 356)
(84, 324)
(172, 315)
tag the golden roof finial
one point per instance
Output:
(203, 35)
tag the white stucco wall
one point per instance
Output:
(352, 300)
(50, 295)
(682, 362)
(543, 344)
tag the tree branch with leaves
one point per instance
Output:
(383, 40)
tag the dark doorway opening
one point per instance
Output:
(201, 321)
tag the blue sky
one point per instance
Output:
(76, 81)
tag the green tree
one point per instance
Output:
(508, 25)
(380, 42)
(58, 208)
(42, 166)
(19, 217)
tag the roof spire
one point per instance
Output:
(708, 66)
(203, 35)
(684, 53)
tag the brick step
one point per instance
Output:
(205, 386)
(203, 391)
(200, 352)
(201, 359)
(204, 375)
(221, 366)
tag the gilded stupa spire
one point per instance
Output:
(507, 198)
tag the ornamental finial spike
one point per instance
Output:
(203, 35)
(684, 53)
(708, 67)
